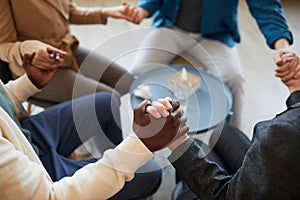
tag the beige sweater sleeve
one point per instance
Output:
(85, 15)
(22, 88)
(23, 177)
(9, 48)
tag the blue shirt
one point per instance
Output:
(219, 19)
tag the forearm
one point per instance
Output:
(271, 20)
(99, 180)
(84, 15)
(281, 44)
(103, 179)
(10, 52)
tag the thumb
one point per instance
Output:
(27, 59)
(277, 58)
(175, 104)
(141, 109)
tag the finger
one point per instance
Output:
(124, 3)
(161, 108)
(286, 67)
(56, 55)
(182, 131)
(51, 50)
(277, 58)
(175, 104)
(178, 113)
(153, 112)
(27, 59)
(183, 120)
(166, 103)
(285, 73)
(297, 75)
(44, 63)
(140, 110)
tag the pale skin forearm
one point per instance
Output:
(282, 43)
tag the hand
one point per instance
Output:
(294, 84)
(140, 15)
(46, 57)
(287, 63)
(125, 11)
(39, 77)
(157, 133)
(288, 67)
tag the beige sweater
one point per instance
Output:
(22, 175)
(46, 21)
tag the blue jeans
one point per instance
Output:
(60, 129)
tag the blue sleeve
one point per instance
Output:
(150, 5)
(269, 16)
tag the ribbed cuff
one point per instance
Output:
(128, 156)
(22, 88)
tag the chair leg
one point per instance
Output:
(28, 109)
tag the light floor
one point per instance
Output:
(265, 95)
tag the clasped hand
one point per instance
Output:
(160, 123)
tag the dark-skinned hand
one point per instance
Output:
(39, 77)
(157, 133)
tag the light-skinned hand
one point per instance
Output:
(39, 77)
(46, 57)
(124, 11)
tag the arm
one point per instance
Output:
(13, 51)
(289, 75)
(270, 18)
(9, 48)
(151, 6)
(30, 83)
(84, 15)
(100, 180)
(262, 173)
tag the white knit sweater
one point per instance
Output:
(22, 176)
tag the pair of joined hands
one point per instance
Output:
(160, 124)
(288, 69)
(157, 124)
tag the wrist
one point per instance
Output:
(104, 15)
(143, 11)
(281, 44)
(293, 89)
(178, 142)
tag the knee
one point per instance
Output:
(107, 100)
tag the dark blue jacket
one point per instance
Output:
(219, 20)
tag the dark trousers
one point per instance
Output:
(60, 129)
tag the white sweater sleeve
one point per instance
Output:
(22, 88)
(106, 177)
(23, 178)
